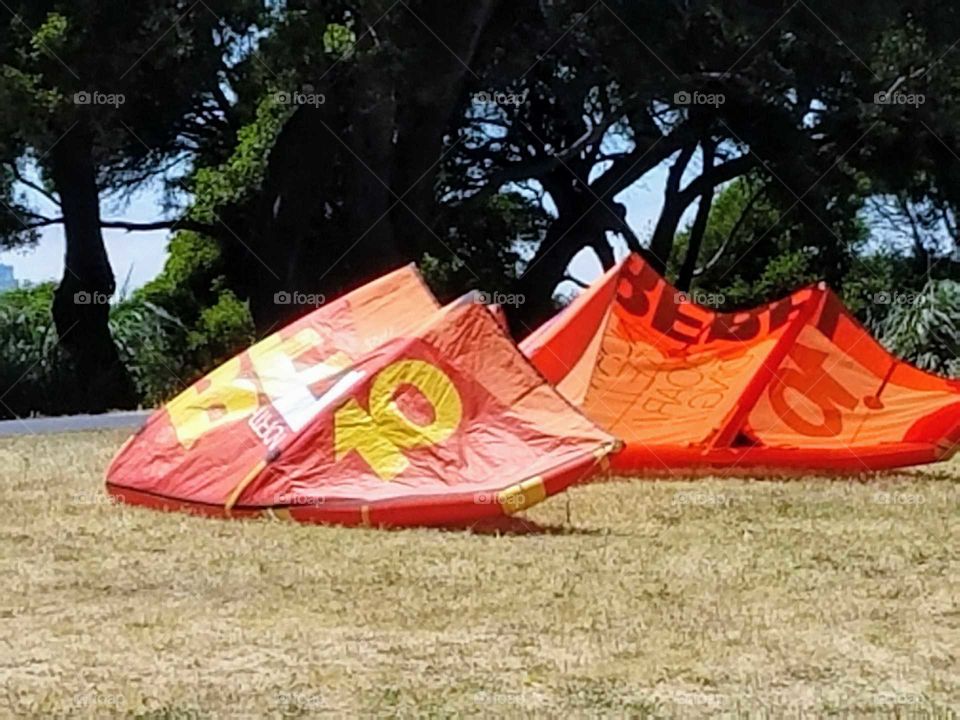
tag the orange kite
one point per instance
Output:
(377, 409)
(797, 383)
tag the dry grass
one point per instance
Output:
(669, 599)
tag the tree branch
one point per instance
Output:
(744, 214)
(181, 224)
(699, 228)
(717, 175)
(30, 184)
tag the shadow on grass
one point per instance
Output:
(935, 473)
(522, 526)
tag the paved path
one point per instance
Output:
(73, 423)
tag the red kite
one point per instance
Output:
(378, 409)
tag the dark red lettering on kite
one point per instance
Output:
(818, 387)
(670, 314)
(636, 283)
(735, 326)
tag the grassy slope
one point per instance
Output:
(677, 598)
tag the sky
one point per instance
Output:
(138, 257)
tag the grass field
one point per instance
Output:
(715, 597)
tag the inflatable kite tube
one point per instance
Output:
(379, 409)
(795, 384)
(456, 510)
(634, 458)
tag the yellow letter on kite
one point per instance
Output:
(225, 398)
(381, 435)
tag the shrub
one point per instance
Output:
(926, 330)
(36, 375)
(169, 333)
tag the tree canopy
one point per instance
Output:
(310, 145)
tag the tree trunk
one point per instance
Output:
(81, 304)
(695, 241)
(575, 229)
(430, 97)
(661, 245)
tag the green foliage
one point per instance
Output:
(873, 275)
(232, 181)
(164, 355)
(169, 333)
(338, 39)
(753, 252)
(36, 376)
(50, 36)
(146, 338)
(222, 331)
(924, 327)
(181, 324)
(486, 245)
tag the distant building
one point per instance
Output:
(8, 280)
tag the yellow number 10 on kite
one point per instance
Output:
(381, 435)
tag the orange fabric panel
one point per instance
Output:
(667, 370)
(563, 342)
(576, 383)
(839, 388)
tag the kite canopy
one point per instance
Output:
(796, 383)
(378, 409)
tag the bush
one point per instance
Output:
(183, 323)
(36, 375)
(169, 333)
(925, 330)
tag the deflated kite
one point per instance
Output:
(378, 409)
(796, 383)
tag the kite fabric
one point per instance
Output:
(797, 383)
(378, 409)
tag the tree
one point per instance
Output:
(96, 122)
(334, 181)
(748, 251)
